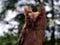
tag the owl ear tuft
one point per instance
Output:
(27, 10)
(40, 8)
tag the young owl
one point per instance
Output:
(33, 30)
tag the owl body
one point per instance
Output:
(33, 31)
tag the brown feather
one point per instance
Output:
(33, 31)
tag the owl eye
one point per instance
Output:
(40, 15)
(28, 17)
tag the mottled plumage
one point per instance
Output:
(33, 31)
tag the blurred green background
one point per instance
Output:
(12, 19)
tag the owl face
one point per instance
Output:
(33, 15)
(33, 19)
(30, 15)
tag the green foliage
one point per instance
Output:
(11, 4)
(46, 0)
(9, 38)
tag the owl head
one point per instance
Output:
(31, 17)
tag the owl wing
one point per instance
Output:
(22, 35)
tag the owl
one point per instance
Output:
(33, 30)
